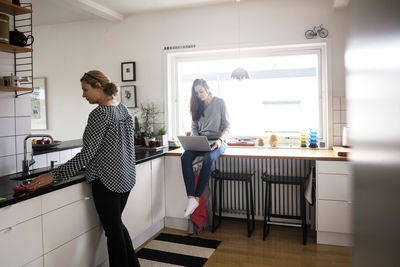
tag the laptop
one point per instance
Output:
(196, 143)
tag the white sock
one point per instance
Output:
(191, 206)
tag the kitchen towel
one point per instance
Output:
(177, 250)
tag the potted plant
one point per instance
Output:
(148, 115)
(162, 135)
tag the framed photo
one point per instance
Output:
(128, 96)
(38, 105)
(128, 71)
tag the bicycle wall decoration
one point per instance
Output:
(318, 30)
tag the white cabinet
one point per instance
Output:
(334, 203)
(19, 212)
(21, 243)
(137, 215)
(65, 196)
(157, 190)
(84, 251)
(175, 190)
(66, 223)
(20, 232)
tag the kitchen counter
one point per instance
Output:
(7, 184)
(266, 152)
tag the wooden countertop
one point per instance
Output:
(286, 153)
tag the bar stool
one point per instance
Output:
(284, 180)
(238, 177)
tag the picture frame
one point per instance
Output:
(128, 71)
(128, 96)
(38, 104)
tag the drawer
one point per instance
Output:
(21, 243)
(338, 167)
(66, 223)
(19, 212)
(334, 216)
(89, 249)
(334, 187)
(65, 196)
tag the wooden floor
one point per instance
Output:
(283, 247)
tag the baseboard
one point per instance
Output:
(337, 239)
(148, 233)
(177, 223)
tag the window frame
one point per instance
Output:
(172, 58)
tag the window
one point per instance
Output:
(284, 94)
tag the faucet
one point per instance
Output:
(27, 163)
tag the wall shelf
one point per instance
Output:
(23, 56)
(14, 48)
(14, 88)
(13, 10)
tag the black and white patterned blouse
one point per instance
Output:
(108, 151)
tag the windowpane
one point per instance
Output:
(282, 95)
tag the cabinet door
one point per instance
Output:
(21, 243)
(20, 212)
(157, 189)
(65, 196)
(137, 213)
(68, 222)
(88, 249)
(334, 186)
(175, 190)
(334, 216)
(338, 167)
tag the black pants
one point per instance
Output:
(109, 206)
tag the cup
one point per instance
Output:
(188, 133)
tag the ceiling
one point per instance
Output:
(48, 12)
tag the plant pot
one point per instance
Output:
(139, 141)
(148, 139)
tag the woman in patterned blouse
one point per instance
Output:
(108, 156)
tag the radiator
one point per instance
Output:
(284, 198)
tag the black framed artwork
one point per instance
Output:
(128, 96)
(128, 71)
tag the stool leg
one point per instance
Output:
(213, 205)
(265, 224)
(220, 204)
(252, 207)
(247, 209)
(303, 214)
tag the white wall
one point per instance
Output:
(63, 52)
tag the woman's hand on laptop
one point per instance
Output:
(216, 144)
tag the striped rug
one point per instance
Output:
(177, 250)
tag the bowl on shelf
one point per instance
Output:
(54, 144)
